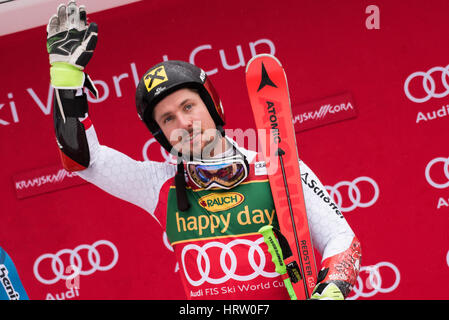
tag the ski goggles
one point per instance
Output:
(212, 173)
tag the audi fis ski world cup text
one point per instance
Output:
(11, 115)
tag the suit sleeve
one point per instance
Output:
(331, 234)
(134, 181)
(137, 182)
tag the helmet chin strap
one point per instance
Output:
(181, 193)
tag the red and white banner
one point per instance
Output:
(326, 111)
(369, 86)
(44, 180)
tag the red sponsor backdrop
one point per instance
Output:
(386, 162)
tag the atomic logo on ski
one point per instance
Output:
(265, 81)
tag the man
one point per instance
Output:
(213, 202)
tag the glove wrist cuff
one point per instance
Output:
(66, 76)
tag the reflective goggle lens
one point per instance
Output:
(224, 175)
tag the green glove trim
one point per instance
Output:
(65, 75)
(329, 292)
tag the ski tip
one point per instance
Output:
(260, 56)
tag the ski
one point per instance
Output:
(270, 102)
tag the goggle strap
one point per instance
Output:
(181, 192)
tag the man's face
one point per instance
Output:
(185, 121)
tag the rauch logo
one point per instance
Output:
(216, 202)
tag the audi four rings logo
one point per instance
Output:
(226, 251)
(168, 158)
(374, 283)
(431, 180)
(429, 84)
(84, 268)
(354, 193)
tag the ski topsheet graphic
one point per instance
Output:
(270, 102)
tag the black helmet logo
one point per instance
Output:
(155, 77)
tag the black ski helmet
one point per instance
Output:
(167, 77)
